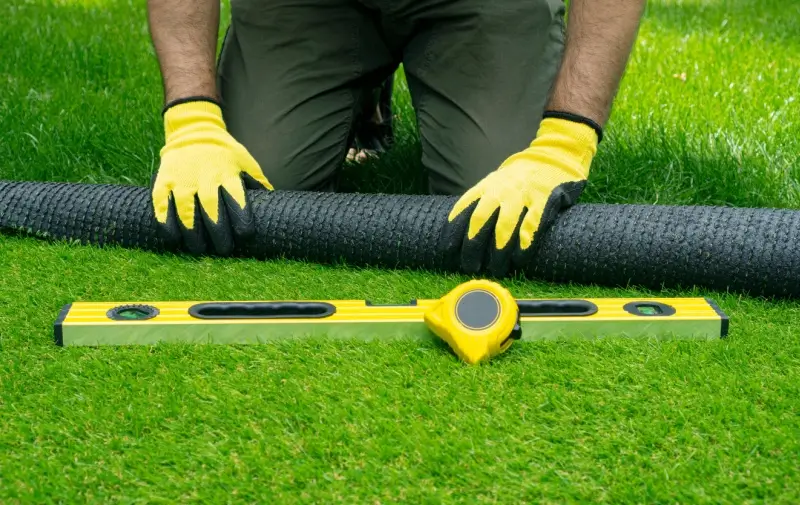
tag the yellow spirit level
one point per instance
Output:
(478, 319)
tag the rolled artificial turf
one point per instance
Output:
(750, 250)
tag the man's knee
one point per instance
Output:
(297, 164)
(458, 163)
(471, 121)
(302, 150)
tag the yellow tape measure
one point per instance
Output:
(479, 319)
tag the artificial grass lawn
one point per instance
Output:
(608, 421)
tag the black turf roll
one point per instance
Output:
(752, 251)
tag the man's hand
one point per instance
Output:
(201, 164)
(522, 197)
(514, 204)
(199, 190)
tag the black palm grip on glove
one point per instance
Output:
(234, 224)
(481, 254)
(199, 192)
(563, 197)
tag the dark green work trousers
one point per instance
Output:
(292, 74)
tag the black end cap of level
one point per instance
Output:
(723, 317)
(58, 331)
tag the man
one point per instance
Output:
(510, 106)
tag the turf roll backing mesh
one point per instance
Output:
(746, 250)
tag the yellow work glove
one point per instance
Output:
(199, 190)
(519, 200)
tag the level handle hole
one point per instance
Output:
(649, 308)
(543, 308)
(261, 310)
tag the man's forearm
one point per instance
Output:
(184, 34)
(600, 36)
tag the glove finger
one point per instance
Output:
(216, 220)
(571, 191)
(190, 222)
(535, 223)
(254, 184)
(169, 230)
(499, 256)
(467, 200)
(486, 209)
(195, 239)
(164, 213)
(160, 196)
(480, 235)
(240, 217)
(153, 180)
(252, 174)
(452, 237)
(511, 214)
(474, 251)
(532, 221)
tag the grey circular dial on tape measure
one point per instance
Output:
(478, 309)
